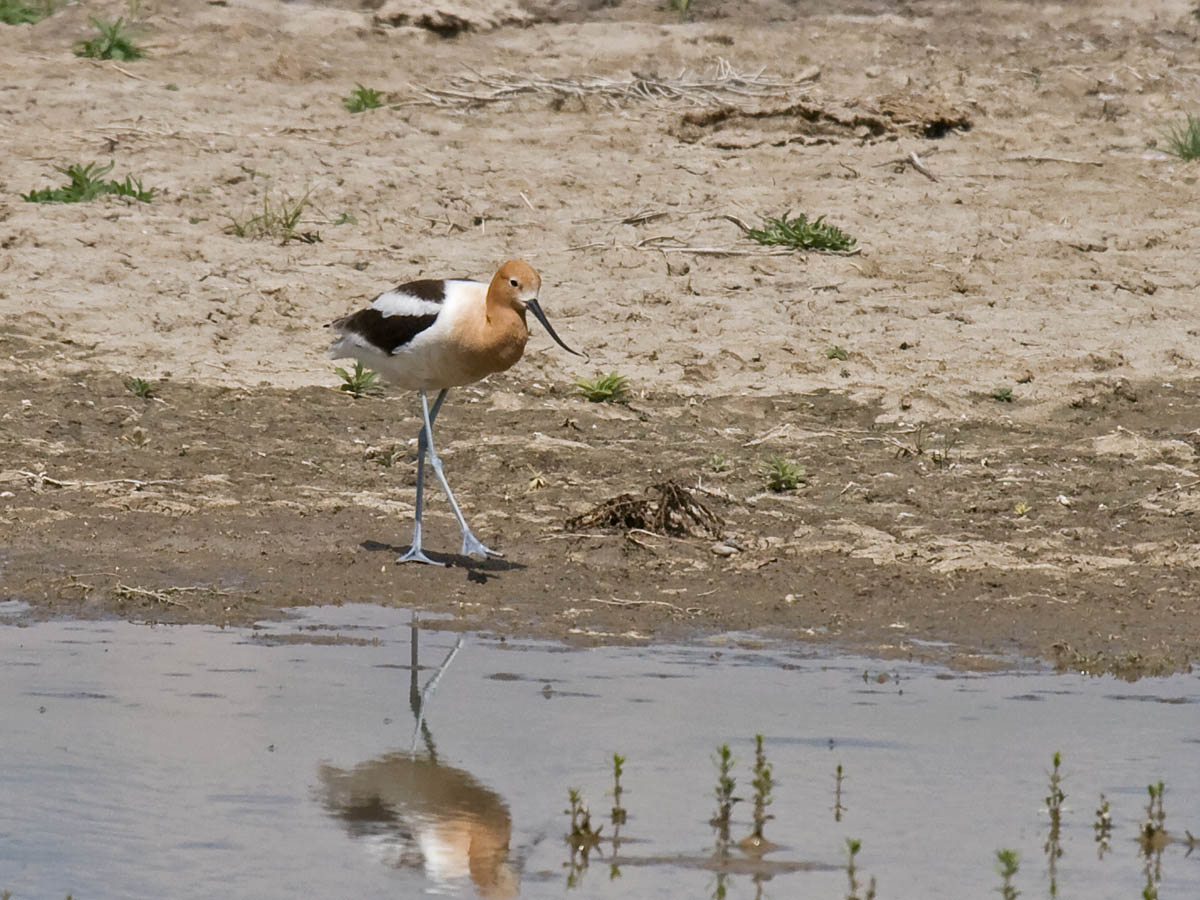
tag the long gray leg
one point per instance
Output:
(471, 545)
(414, 552)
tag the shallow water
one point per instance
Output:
(192, 761)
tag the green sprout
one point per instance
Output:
(360, 382)
(362, 98)
(783, 474)
(113, 40)
(610, 388)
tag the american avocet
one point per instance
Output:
(436, 334)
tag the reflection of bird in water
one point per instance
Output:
(418, 812)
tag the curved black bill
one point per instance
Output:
(541, 317)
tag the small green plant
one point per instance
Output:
(1007, 864)
(682, 7)
(1003, 395)
(718, 463)
(18, 12)
(853, 845)
(114, 40)
(836, 352)
(362, 98)
(618, 811)
(610, 388)
(764, 783)
(783, 474)
(725, 786)
(278, 219)
(839, 779)
(801, 234)
(1183, 140)
(1022, 509)
(140, 387)
(360, 382)
(1054, 802)
(87, 183)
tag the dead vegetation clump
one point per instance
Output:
(723, 83)
(667, 508)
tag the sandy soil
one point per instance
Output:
(1056, 255)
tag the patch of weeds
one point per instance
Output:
(140, 387)
(18, 12)
(87, 183)
(1183, 140)
(836, 352)
(114, 40)
(346, 219)
(1007, 864)
(170, 86)
(362, 98)
(278, 219)
(783, 474)
(1022, 509)
(359, 383)
(1003, 395)
(801, 234)
(682, 7)
(610, 388)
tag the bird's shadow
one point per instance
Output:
(478, 570)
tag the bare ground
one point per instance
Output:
(1055, 255)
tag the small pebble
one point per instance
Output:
(723, 550)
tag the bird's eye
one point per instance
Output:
(513, 282)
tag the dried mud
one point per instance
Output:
(1055, 255)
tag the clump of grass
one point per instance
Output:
(610, 388)
(362, 98)
(801, 234)
(783, 474)
(360, 382)
(836, 352)
(1183, 140)
(682, 7)
(18, 12)
(140, 387)
(87, 183)
(113, 40)
(1007, 863)
(1003, 395)
(1022, 509)
(278, 219)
